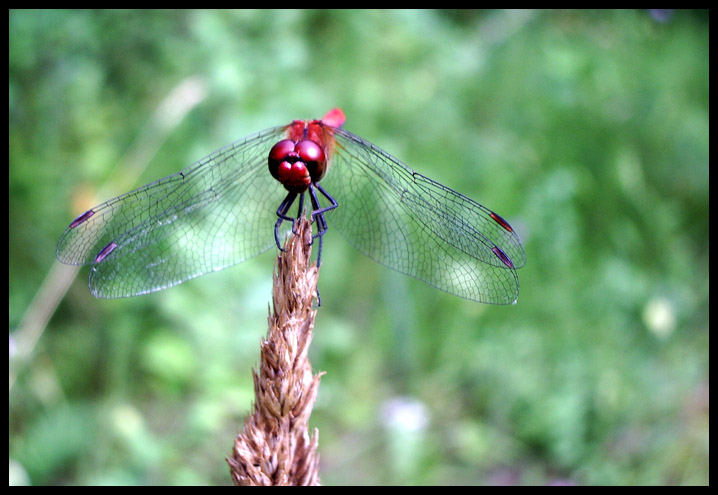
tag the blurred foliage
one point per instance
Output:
(587, 130)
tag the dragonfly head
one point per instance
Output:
(297, 165)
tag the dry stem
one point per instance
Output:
(275, 448)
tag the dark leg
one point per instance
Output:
(321, 211)
(318, 216)
(282, 214)
(300, 212)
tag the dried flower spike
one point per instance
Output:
(275, 448)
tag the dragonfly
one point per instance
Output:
(227, 208)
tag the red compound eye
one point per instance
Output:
(309, 151)
(280, 150)
(279, 153)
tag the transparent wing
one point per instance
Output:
(418, 227)
(213, 214)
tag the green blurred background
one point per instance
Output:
(588, 131)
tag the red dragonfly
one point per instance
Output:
(220, 210)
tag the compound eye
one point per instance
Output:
(280, 150)
(309, 151)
